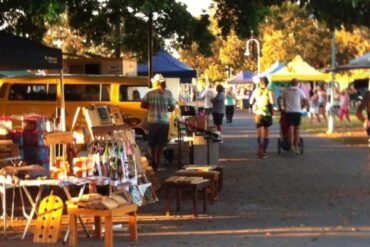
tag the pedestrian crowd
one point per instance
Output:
(219, 102)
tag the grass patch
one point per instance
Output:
(353, 135)
(322, 128)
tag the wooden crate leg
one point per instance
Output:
(108, 231)
(167, 204)
(205, 200)
(73, 230)
(97, 224)
(195, 199)
(178, 199)
(132, 226)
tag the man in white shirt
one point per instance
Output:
(207, 95)
(294, 99)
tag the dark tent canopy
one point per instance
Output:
(168, 66)
(19, 53)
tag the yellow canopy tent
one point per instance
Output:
(300, 70)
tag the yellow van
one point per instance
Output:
(38, 94)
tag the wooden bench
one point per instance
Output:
(212, 176)
(182, 184)
(108, 214)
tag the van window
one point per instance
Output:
(87, 92)
(33, 92)
(132, 93)
(3, 88)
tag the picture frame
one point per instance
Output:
(136, 195)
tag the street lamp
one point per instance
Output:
(247, 52)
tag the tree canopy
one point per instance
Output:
(287, 31)
(245, 16)
(120, 25)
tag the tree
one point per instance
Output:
(228, 56)
(289, 31)
(71, 41)
(244, 16)
(30, 18)
(120, 25)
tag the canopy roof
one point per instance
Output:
(300, 70)
(19, 53)
(361, 61)
(243, 77)
(168, 66)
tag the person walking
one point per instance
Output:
(207, 95)
(218, 109)
(344, 105)
(314, 107)
(230, 100)
(322, 102)
(263, 99)
(294, 100)
(159, 102)
(364, 105)
(246, 96)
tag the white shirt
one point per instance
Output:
(293, 97)
(208, 94)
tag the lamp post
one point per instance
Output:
(247, 52)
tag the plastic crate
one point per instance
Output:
(17, 137)
(35, 123)
(35, 153)
(34, 137)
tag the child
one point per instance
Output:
(344, 104)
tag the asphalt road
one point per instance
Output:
(320, 198)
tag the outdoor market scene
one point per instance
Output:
(185, 123)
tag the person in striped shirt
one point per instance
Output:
(159, 101)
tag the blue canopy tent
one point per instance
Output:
(168, 66)
(243, 77)
(273, 69)
(361, 61)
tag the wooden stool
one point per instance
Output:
(212, 176)
(182, 184)
(73, 211)
(218, 168)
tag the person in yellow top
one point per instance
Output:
(263, 99)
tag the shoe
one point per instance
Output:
(260, 153)
(292, 150)
(297, 150)
(264, 156)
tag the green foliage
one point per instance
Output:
(245, 16)
(118, 25)
(123, 24)
(337, 13)
(287, 31)
(29, 18)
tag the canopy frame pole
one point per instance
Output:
(62, 103)
(331, 122)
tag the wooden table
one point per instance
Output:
(182, 184)
(212, 176)
(73, 211)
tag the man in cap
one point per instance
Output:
(159, 102)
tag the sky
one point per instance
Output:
(195, 6)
